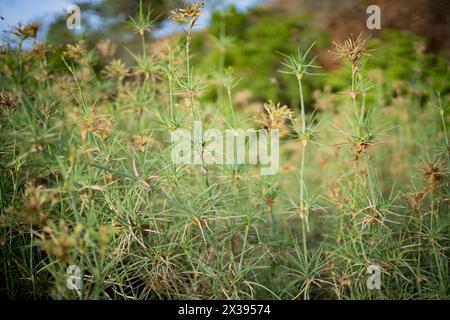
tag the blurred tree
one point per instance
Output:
(107, 19)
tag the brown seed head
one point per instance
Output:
(434, 173)
(116, 70)
(189, 14)
(8, 100)
(76, 51)
(353, 49)
(30, 30)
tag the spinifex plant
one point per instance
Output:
(189, 16)
(87, 181)
(300, 65)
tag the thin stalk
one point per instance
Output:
(302, 170)
(444, 125)
(170, 80)
(353, 93)
(221, 56)
(144, 47)
(244, 245)
(188, 70)
(230, 103)
(363, 109)
(302, 105)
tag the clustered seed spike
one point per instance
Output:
(353, 49)
(30, 30)
(9, 100)
(435, 173)
(189, 14)
(76, 51)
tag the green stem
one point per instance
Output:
(363, 108)
(230, 102)
(144, 47)
(303, 208)
(302, 106)
(244, 245)
(171, 97)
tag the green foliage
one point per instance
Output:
(86, 175)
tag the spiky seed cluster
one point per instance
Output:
(361, 148)
(141, 142)
(116, 70)
(415, 199)
(434, 173)
(353, 49)
(275, 116)
(59, 240)
(103, 127)
(8, 100)
(76, 51)
(30, 30)
(189, 14)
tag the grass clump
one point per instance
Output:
(87, 179)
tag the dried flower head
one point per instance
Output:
(60, 240)
(360, 148)
(189, 14)
(8, 100)
(373, 216)
(76, 51)
(141, 142)
(33, 197)
(353, 49)
(116, 70)
(434, 173)
(30, 30)
(415, 199)
(102, 127)
(275, 116)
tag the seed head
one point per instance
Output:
(8, 100)
(360, 148)
(103, 127)
(434, 173)
(30, 30)
(275, 116)
(189, 14)
(116, 70)
(141, 142)
(353, 49)
(415, 199)
(76, 51)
